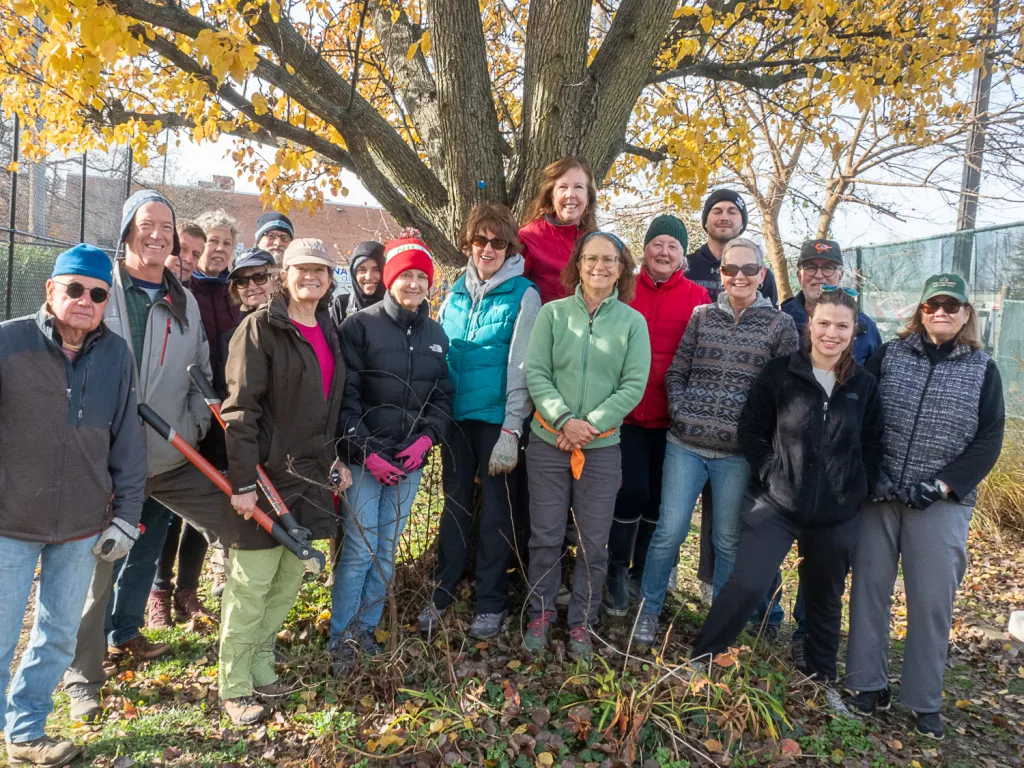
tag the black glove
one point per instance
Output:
(923, 495)
(884, 489)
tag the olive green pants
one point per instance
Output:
(261, 589)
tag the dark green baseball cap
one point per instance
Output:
(945, 284)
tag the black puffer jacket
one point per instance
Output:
(813, 456)
(396, 380)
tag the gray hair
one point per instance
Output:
(218, 220)
(743, 242)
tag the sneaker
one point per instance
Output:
(929, 725)
(646, 629)
(834, 698)
(43, 751)
(564, 596)
(188, 606)
(579, 646)
(616, 592)
(272, 691)
(141, 648)
(867, 702)
(536, 638)
(85, 704)
(160, 609)
(244, 710)
(429, 618)
(487, 625)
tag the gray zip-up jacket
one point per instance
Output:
(174, 341)
(71, 451)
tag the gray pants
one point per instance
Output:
(552, 490)
(189, 494)
(933, 546)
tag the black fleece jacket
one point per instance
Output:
(396, 380)
(815, 457)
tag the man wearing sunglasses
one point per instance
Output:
(72, 483)
(159, 320)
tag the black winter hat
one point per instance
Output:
(268, 222)
(724, 195)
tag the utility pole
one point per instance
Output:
(970, 183)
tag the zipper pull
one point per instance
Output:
(824, 408)
(68, 391)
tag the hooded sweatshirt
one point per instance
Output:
(345, 304)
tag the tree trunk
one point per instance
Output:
(777, 256)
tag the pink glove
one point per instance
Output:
(383, 471)
(415, 453)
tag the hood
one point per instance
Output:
(366, 250)
(514, 266)
(759, 303)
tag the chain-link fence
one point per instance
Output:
(992, 259)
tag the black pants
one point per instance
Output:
(186, 545)
(765, 537)
(639, 500)
(466, 454)
(706, 563)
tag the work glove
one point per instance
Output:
(383, 471)
(413, 455)
(884, 489)
(504, 455)
(923, 495)
(115, 542)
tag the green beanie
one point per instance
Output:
(667, 225)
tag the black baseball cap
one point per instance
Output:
(821, 249)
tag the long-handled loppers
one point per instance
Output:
(312, 558)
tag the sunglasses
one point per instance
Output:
(833, 288)
(731, 270)
(76, 290)
(496, 242)
(951, 306)
(260, 278)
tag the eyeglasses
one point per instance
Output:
(76, 290)
(833, 288)
(260, 278)
(496, 242)
(826, 270)
(731, 270)
(608, 261)
(279, 236)
(949, 306)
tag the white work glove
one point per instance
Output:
(115, 542)
(505, 454)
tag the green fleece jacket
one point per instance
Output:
(592, 368)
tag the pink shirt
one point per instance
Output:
(315, 336)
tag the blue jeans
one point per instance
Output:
(373, 518)
(64, 578)
(683, 478)
(133, 576)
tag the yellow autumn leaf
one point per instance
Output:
(713, 745)
(963, 704)
(259, 104)
(391, 740)
(706, 23)
(425, 42)
(545, 759)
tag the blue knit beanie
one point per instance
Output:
(85, 260)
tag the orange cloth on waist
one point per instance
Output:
(578, 459)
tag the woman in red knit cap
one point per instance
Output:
(565, 207)
(397, 406)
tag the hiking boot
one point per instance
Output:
(141, 648)
(866, 702)
(343, 656)
(368, 643)
(929, 725)
(579, 646)
(85, 704)
(564, 596)
(109, 666)
(796, 653)
(272, 691)
(160, 609)
(536, 638)
(218, 565)
(616, 591)
(43, 751)
(646, 630)
(429, 618)
(487, 625)
(244, 710)
(188, 606)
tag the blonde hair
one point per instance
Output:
(968, 333)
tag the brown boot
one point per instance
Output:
(188, 606)
(272, 691)
(244, 710)
(43, 751)
(160, 609)
(142, 649)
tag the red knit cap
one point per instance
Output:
(408, 251)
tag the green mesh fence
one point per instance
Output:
(992, 259)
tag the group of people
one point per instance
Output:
(578, 398)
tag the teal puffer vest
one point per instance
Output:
(480, 335)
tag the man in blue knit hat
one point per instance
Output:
(71, 489)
